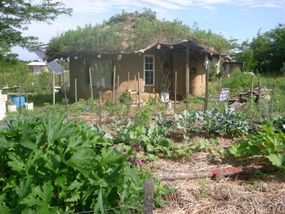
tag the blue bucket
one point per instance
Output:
(17, 100)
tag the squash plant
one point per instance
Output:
(51, 165)
(268, 143)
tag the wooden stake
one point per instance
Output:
(187, 76)
(100, 108)
(251, 89)
(91, 83)
(128, 82)
(272, 101)
(206, 85)
(137, 92)
(148, 196)
(175, 90)
(53, 88)
(64, 85)
(114, 84)
(118, 86)
(75, 88)
(139, 96)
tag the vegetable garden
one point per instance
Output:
(53, 163)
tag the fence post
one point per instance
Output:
(100, 108)
(272, 101)
(75, 88)
(139, 93)
(91, 83)
(175, 91)
(114, 84)
(148, 196)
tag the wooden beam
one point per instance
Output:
(64, 85)
(75, 89)
(187, 77)
(206, 100)
(91, 83)
(175, 90)
(114, 84)
(53, 88)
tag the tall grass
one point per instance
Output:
(239, 81)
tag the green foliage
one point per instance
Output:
(152, 140)
(15, 15)
(51, 165)
(128, 32)
(226, 122)
(265, 54)
(216, 41)
(237, 81)
(267, 143)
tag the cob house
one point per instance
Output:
(133, 52)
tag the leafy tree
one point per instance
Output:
(17, 14)
(265, 54)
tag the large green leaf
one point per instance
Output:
(277, 160)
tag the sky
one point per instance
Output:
(237, 19)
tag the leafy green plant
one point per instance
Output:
(151, 139)
(51, 165)
(225, 122)
(266, 143)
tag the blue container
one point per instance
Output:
(17, 100)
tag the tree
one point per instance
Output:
(15, 15)
(265, 54)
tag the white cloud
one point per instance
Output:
(103, 6)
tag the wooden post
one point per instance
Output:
(148, 196)
(75, 88)
(272, 101)
(139, 96)
(100, 108)
(53, 88)
(128, 82)
(118, 85)
(259, 90)
(114, 84)
(206, 85)
(187, 75)
(175, 90)
(251, 89)
(64, 85)
(91, 83)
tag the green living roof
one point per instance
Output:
(123, 33)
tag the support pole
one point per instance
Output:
(206, 101)
(272, 101)
(53, 88)
(64, 85)
(175, 91)
(148, 196)
(91, 84)
(139, 93)
(100, 108)
(114, 84)
(187, 76)
(118, 85)
(75, 88)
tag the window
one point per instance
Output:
(149, 70)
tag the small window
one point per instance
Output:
(149, 70)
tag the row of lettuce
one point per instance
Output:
(53, 165)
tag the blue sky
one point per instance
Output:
(238, 19)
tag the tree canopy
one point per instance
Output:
(15, 15)
(265, 53)
(125, 32)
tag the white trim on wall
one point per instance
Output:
(146, 70)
